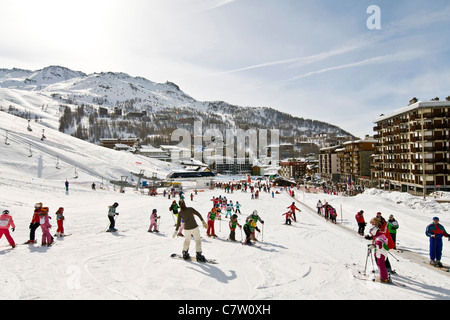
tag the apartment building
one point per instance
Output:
(354, 158)
(328, 164)
(413, 152)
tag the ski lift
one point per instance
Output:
(29, 126)
(43, 135)
(57, 164)
(75, 174)
(30, 153)
(6, 138)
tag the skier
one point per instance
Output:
(67, 186)
(59, 220)
(212, 215)
(361, 222)
(288, 217)
(255, 218)
(392, 227)
(229, 209)
(6, 222)
(319, 207)
(34, 224)
(232, 224)
(44, 221)
(154, 221)
(111, 216)
(238, 207)
(381, 249)
(293, 208)
(249, 229)
(191, 229)
(174, 208)
(435, 231)
(333, 215)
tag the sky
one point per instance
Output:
(342, 62)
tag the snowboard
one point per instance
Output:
(194, 259)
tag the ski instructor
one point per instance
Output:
(191, 229)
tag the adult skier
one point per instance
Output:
(6, 222)
(435, 231)
(111, 216)
(293, 208)
(191, 229)
(361, 222)
(392, 227)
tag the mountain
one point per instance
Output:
(109, 104)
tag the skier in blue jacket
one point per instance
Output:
(436, 232)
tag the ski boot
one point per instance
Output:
(186, 255)
(200, 257)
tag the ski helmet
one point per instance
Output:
(115, 205)
(5, 212)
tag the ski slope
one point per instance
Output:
(312, 259)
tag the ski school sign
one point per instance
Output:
(212, 145)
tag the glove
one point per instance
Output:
(371, 246)
(205, 225)
(12, 229)
(117, 213)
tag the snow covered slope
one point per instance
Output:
(312, 259)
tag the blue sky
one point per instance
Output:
(312, 58)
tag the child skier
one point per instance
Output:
(288, 217)
(44, 221)
(293, 208)
(249, 229)
(212, 215)
(381, 249)
(229, 208)
(154, 221)
(238, 207)
(6, 221)
(34, 224)
(174, 208)
(59, 221)
(111, 216)
(233, 223)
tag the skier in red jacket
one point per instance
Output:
(293, 208)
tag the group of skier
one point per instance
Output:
(328, 211)
(41, 218)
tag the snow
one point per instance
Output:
(312, 259)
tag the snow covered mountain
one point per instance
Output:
(146, 109)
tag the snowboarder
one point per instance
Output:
(44, 221)
(288, 217)
(232, 224)
(6, 222)
(393, 226)
(191, 229)
(34, 224)
(293, 208)
(154, 221)
(435, 231)
(361, 222)
(212, 215)
(59, 220)
(111, 216)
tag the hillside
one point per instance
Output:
(310, 260)
(108, 104)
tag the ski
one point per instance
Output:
(372, 278)
(443, 268)
(192, 259)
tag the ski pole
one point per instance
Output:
(393, 256)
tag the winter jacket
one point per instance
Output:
(45, 221)
(187, 214)
(6, 221)
(112, 211)
(437, 230)
(59, 214)
(393, 226)
(293, 208)
(360, 218)
(381, 245)
(35, 218)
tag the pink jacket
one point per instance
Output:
(45, 221)
(6, 221)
